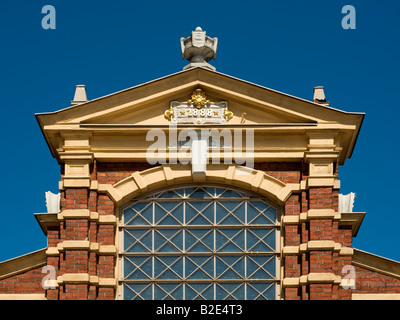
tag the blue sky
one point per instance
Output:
(287, 45)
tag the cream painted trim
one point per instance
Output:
(353, 219)
(176, 85)
(167, 175)
(322, 213)
(77, 158)
(46, 220)
(82, 245)
(75, 244)
(290, 250)
(290, 282)
(315, 245)
(375, 296)
(22, 296)
(52, 251)
(86, 278)
(86, 214)
(346, 251)
(73, 278)
(111, 191)
(323, 278)
(311, 214)
(107, 250)
(320, 182)
(74, 214)
(290, 219)
(107, 219)
(76, 182)
(312, 277)
(107, 282)
(320, 245)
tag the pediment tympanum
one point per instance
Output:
(284, 126)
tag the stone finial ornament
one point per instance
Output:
(199, 49)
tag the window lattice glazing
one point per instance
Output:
(199, 243)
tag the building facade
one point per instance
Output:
(200, 185)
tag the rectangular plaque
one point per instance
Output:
(185, 113)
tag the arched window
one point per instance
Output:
(199, 243)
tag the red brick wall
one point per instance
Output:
(112, 172)
(288, 172)
(313, 229)
(74, 198)
(83, 261)
(23, 283)
(368, 281)
(321, 198)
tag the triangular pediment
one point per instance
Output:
(252, 106)
(152, 112)
(145, 104)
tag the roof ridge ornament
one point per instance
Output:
(80, 95)
(319, 96)
(199, 49)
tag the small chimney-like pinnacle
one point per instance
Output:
(319, 96)
(80, 95)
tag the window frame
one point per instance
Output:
(252, 196)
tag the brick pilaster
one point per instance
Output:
(82, 249)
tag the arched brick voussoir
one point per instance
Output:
(169, 175)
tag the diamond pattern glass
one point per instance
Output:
(199, 243)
